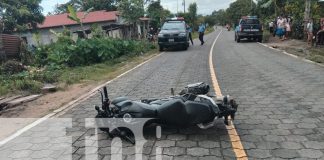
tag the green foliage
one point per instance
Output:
(131, 10)
(80, 5)
(266, 36)
(73, 14)
(97, 31)
(20, 15)
(156, 12)
(28, 85)
(87, 51)
(220, 17)
(192, 13)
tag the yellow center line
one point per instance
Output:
(234, 137)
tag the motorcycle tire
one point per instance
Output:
(123, 133)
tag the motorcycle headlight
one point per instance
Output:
(160, 35)
(182, 34)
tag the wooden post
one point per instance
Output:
(2, 54)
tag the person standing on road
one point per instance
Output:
(271, 27)
(309, 30)
(201, 31)
(189, 29)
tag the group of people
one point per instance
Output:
(281, 27)
(201, 32)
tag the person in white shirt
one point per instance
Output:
(309, 30)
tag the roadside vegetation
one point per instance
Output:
(67, 62)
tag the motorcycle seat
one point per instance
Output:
(173, 112)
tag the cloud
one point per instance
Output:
(204, 6)
(49, 5)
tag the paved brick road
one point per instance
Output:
(280, 115)
(282, 100)
(172, 69)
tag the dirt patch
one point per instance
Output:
(48, 102)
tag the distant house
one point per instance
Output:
(108, 21)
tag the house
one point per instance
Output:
(110, 21)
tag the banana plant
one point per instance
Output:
(74, 17)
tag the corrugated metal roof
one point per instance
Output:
(92, 17)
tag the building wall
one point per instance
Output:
(47, 37)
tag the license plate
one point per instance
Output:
(171, 40)
(251, 30)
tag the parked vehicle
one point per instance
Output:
(249, 27)
(173, 34)
(193, 106)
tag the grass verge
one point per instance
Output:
(196, 34)
(313, 54)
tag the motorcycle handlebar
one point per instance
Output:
(105, 92)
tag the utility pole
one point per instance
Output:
(177, 7)
(184, 6)
(251, 8)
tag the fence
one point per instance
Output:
(9, 46)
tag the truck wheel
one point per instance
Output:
(161, 48)
(238, 39)
(185, 47)
(260, 39)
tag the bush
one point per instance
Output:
(28, 85)
(87, 51)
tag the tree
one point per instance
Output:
(192, 13)
(155, 12)
(20, 15)
(220, 17)
(238, 9)
(84, 5)
(74, 17)
(131, 10)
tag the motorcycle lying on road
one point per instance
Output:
(193, 106)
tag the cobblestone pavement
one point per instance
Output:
(153, 80)
(280, 114)
(281, 100)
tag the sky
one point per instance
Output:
(204, 6)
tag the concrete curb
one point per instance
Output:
(67, 107)
(291, 55)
